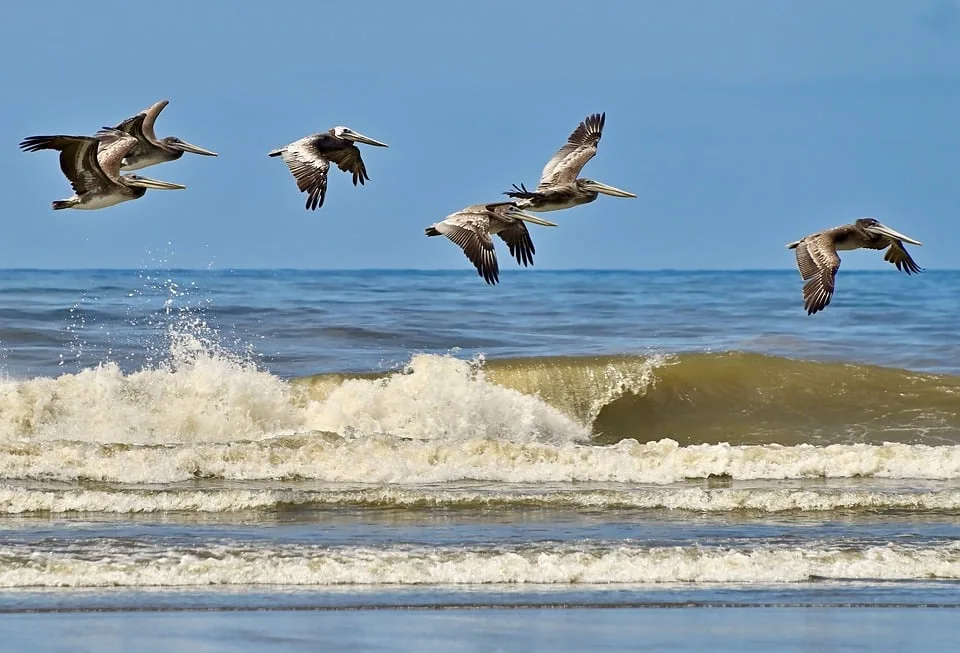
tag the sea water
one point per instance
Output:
(292, 440)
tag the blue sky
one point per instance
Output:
(742, 122)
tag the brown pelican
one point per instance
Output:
(95, 176)
(818, 261)
(559, 187)
(149, 149)
(471, 228)
(309, 159)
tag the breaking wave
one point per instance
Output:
(629, 419)
(107, 563)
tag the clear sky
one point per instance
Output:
(741, 125)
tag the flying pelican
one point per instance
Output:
(471, 228)
(818, 261)
(149, 149)
(95, 176)
(559, 187)
(309, 160)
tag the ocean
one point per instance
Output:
(394, 452)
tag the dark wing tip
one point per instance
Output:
(34, 143)
(594, 125)
(589, 131)
(519, 192)
(900, 257)
(816, 295)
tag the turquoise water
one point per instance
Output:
(295, 440)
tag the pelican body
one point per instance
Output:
(149, 150)
(818, 261)
(309, 160)
(94, 170)
(472, 227)
(559, 187)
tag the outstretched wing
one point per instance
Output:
(470, 231)
(139, 126)
(348, 159)
(517, 238)
(309, 169)
(580, 147)
(818, 263)
(78, 160)
(899, 256)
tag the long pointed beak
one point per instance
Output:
(526, 217)
(360, 138)
(156, 184)
(596, 186)
(196, 149)
(884, 230)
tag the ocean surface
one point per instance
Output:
(304, 440)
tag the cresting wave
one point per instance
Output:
(107, 563)
(207, 396)
(441, 419)
(734, 397)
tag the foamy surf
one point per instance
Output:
(205, 414)
(202, 397)
(126, 500)
(335, 459)
(115, 563)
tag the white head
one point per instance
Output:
(348, 134)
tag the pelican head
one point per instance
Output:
(348, 134)
(515, 212)
(874, 227)
(180, 145)
(596, 187)
(146, 182)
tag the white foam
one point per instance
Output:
(197, 397)
(440, 420)
(388, 460)
(104, 564)
(205, 397)
(129, 501)
(441, 397)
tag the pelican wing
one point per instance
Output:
(517, 238)
(818, 263)
(309, 169)
(580, 147)
(471, 232)
(78, 160)
(348, 159)
(139, 126)
(900, 257)
(110, 156)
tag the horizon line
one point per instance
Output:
(418, 270)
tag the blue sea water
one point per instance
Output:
(216, 439)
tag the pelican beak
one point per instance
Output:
(360, 138)
(196, 149)
(597, 187)
(526, 217)
(156, 184)
(884, 230)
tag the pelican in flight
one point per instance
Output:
(149, 149)
(559, 187)
(818, 261)
(95, 176)
(471, 228)
(309, 160)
